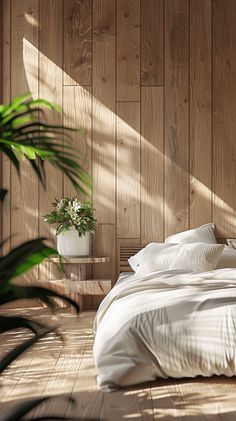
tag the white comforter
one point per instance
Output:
(166, 324)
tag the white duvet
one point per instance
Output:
(166, 324)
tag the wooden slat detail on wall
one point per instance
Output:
(128, 169)
(128, 50)
(181, 172)
(6, 96)
(77, 105)
(104, 117)
(106, 247)
(224, 105)
(50, 87)
(24, 78)
(121, 243)
(152, 42)
(78, 42)
(152, 164)
(200, 111)
(177, 116)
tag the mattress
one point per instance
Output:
(169, 323)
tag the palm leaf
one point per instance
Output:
(17, 412)
(19, 349)
(23, 258)
(23, 135)
(15, 292)
(11, 155)
(11, 322)
(3, 193)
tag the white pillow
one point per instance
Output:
(203, 234)
(227, 258)
(157, 256)
(135, 260)
(197, 257)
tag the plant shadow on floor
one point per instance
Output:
(132, 403)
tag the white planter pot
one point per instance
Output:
(70, 244)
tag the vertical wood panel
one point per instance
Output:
(152, 42)
(77, 104)
(108, 67)
(224, 105)
(104, 244)
(50, 87)
(24, 78)
(128, 50)
(6, 96)
(128, 170)
(106, 247)
(152, 164)
(77, 42)
(104, 72)
(177, 116)
(200, 111)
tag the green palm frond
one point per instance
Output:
(24, 135)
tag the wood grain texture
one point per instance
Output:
(106, 247)
(224, 103)
(94, 287)
(128, 170)
(138, 197)
(77, 104)
(6, 96)
(24, 58)
(104, 244)
(87, 260)
(177, 116)
(152, 42)
(50, 88)
(200, 111)
(67, 368)
(128, 50)
(152, 164)
(104, 118)
(78, 42)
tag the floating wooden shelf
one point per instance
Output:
(79, 260)
(85, 287)
(75, 285)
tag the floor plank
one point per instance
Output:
(66, 369)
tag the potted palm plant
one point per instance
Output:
(75, 220)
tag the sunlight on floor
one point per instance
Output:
(59, 369)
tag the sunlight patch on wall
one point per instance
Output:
(86, 111)
(30, 19)
(30, 60)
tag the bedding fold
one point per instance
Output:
(166, 324)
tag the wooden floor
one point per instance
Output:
(59, 369)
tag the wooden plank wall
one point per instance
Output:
(153, 82)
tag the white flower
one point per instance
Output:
(60, 205)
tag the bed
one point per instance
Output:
(166, 323)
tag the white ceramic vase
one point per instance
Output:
(71, 244)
